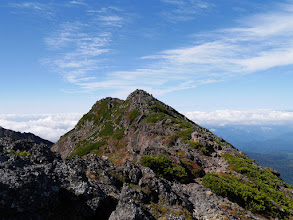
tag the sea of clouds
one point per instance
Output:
(47, 126)
(52, 126)
(247, 117)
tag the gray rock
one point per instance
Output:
(128, 208)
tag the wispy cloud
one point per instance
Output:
(184, 10)
(78, 51)
(81, 48)
(248, 117)
(43, 10)
(30, 5)
(111, 20)
(258, 43)
(78, 47)
(47, 126)
(108, 16)
(79, 2)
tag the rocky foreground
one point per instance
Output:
(136, 159)
(36, 183)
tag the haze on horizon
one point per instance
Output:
(219, 62)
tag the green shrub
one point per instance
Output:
(118, 120)
(21, 154)
(160, 108)
(12, 152)
(133, 115)
(103, 110)
(164, 167)
(192, 168)
(263, 196)
(87, 117)
(87, 149)
(241, 192)
(185, 125)
(107, 130)
(219, 142)
(118, 134)
(184, 135)
(24, 154)
(155, 117)
(199, 146)
(173, 121)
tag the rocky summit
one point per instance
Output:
(137, 159)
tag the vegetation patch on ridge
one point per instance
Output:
(184, 135)
(21, 153)
(107, 130)
(199, 146)
(192, 168)
(133, 115)
(155, 117)
(159, 113)
(118, 133)
(164, 167)
(241, 192)
(87, 149)
(261, 195)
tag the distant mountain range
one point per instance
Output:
(256, 138)
(269, 145)
(281, 161)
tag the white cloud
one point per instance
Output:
(249, 117)
(47, 126)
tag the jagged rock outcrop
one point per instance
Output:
(137, 159)
(37, 183)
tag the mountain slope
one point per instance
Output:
(148, 133)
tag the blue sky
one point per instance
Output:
(197, 56)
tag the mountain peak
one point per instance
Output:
(139, 93)
(158, 148)
(140, 98)
(136, 119)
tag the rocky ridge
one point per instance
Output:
(14, 135)
(137, 159)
